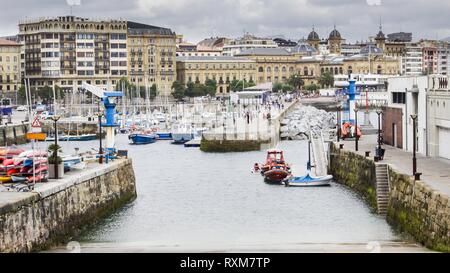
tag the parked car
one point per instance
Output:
(21, 108)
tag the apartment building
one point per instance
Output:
(9, 66)
(151, 58)
(412, 60)
(443, 58)
(68, 50)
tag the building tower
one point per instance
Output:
(314, 39)
(335, 42)
(380, 39)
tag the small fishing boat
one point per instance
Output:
(142, 138)
(84, 137)
(160, 117)
(182, 134)
(70, 161)
(275, 170)
(309, 181)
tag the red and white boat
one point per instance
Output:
(275, 170)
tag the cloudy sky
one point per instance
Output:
(198, 19)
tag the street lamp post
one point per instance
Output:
(356, 129)
(100, 150)
(378, 153)
(338, 121)
(414, 118)
(55, 119)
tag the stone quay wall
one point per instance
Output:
(13, 134)
(420, 211)
(354, 171)
(56, 211)
(414, 208)
(71, 128)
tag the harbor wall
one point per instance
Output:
(13, 134)
(56, 211)
(420, 211)
(414, 208)
(354, 171)
(71, 127)
(226, 146)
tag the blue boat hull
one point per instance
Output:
(142, 139)
(164, 136)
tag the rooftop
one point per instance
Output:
(211, 59)
(265, 52)
(138, 29)
(5, 42)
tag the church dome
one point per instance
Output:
(313, 36)
(335, 34)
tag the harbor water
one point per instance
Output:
(190, 200)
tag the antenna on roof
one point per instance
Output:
(72, 3)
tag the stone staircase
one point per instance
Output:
(382, 177)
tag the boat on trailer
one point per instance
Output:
(308, 180)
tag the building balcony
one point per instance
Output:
(68, 58)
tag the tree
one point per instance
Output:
(296, 81)
(312, 88)
(211, 87)
(45, 93)
(153, 91)
(127, 85)
(287, 88)
(21, 96)
(326, 79)
(236, 85)
(178, 90)
(276, 87)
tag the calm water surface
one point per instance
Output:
(195, 200)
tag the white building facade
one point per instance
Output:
(412, 60)
(438, 116)
(235, 47)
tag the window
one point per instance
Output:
(398, 97)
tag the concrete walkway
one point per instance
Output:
(435, 171)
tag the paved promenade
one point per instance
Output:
(435, 171)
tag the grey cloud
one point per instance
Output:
(197, 19)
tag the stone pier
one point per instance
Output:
(243, 137)
(57, 210)
(13, 134)
(420, 209)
